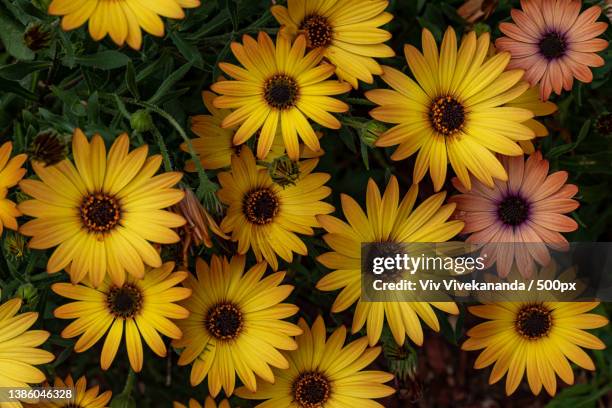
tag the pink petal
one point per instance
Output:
(477, 221)
(567, 191)
(586, 58)
(536, 66)
(555, 222)
(536, 170)
(555, 76)
(568, 77)
(558, 205)
(592, 45)
(536, 247)
(473, 202)
(581, 72)
(551, 185)
(570, 14)
(516, 168)
(530, 20)
(551, 238)
(516, 48)
(513, 31)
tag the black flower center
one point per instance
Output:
(311, 390)
(125, 301)
(281, 91)
(260, 206)
(318, 31)
(534, 321)
(447, 115)
(100, 212)
(553, 45)
(72, 405)
(513, 210)
(224, 321)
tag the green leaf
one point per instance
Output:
(189, 51)
(364, 155)
(12, 37)
(169, 83)
(130, 80)
(104, 60)
(561, 150)
(21, 69)
(14, 87)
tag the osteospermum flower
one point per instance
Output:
(554, 43)
(453, 112)
(209, 403)
(526, 210)
(102, 213)
(122, 20)
(535, 339)
(387, 221)
(235, 326)
(215, 144)
(82, 396)
(18, 349)
(10, 174)
(346, 30)
(325, 373)
(138, 307)
(278, 86)
(265, 216)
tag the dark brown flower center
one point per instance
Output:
(260, 206)
(513, 210)
(281, 91)
(125, 301)
(224, 321)
(311, 390)
(100, 212)
(553, 45)
(72, 405)
(47, 148)
(447, 115)
(318, 31)
(534, 321)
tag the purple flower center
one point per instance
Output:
(513, 210)
(553, 45)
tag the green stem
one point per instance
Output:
(129, 383)
(162, 147)
(207, 188)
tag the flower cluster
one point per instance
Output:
(209, 275)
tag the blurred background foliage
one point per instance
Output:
(53, 81)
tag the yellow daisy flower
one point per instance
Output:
(209, 403)
(235, 325)
(346, 30)
(536, 339)
(102, 213)
(18, 349)
(454, 111)
(530, 100)
(120, 19)
(82, 396)
(325, 373)
(215, 144)
(387, 221)
(141, 307)
(10, 174)
(264, 216)
(280, 85)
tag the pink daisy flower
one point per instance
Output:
(554, 43)
(527, 210)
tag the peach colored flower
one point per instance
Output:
(527, 210)
(554, 43)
